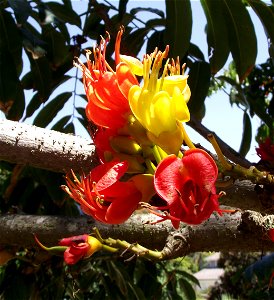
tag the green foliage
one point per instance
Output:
(246, 276)
(40, 276)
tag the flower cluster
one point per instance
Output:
(139, 138)
(140, 132)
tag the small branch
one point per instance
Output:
(46, 149)
(244, 232)
(228, 152)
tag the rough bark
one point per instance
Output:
(42, 148)
(46, 149)
(246, 231)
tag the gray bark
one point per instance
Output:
(25, 144)
(246, 231)
(46, 149)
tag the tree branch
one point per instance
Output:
(228, 152)
(46, 149)
(55, 151)
(238, 232)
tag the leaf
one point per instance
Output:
(57, 48)
(156, 40)
(49, 111)
(22, 9)
(266, 15)
(10, 39)
(187, 290)
(217, 35)
(178, 26)
(69, 128)
(122, 8)
(63, 13)
(242, 37)
(199, 82)
(118, 277)
(247, 135)
(152, 23)
(195, 51)
(156, 11)
(60, 125)
(188, 276)
(134, 41)
(12, 99)
(41, 74)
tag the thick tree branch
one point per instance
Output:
(46, 149)
(245, 232)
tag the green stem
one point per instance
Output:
(134, 248)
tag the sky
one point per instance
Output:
(224, 120)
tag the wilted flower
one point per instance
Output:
(79, 247)
(188, 187)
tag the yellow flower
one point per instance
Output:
(161, 104)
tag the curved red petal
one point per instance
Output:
(107, 174)
(122, 207)
(107, 90)
(104, 117)
(167, 178)
(126, 79)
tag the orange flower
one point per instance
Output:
(106, 89)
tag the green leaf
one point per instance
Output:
(69, 128)
(187, 289)
(188, 276)
(63, 13)
(156, 40)
(195, 51)
(57, 48)
(217, 36)
(118, 277)
(242, 37)
(266, 15)
(22, 9)
(134, 41)
(12, 99)
(178, 26)
(10, 38)
(41, 74)
(60, 125)
(47, 114)
(92, 27)
(156, 11)
(122, 8)
(199, 82)
(247, 135)
(153, 23)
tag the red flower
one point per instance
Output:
(266, 150)
(271, 234)
(79, 247)
(187, 185)
(101, 194)
(106, 89)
